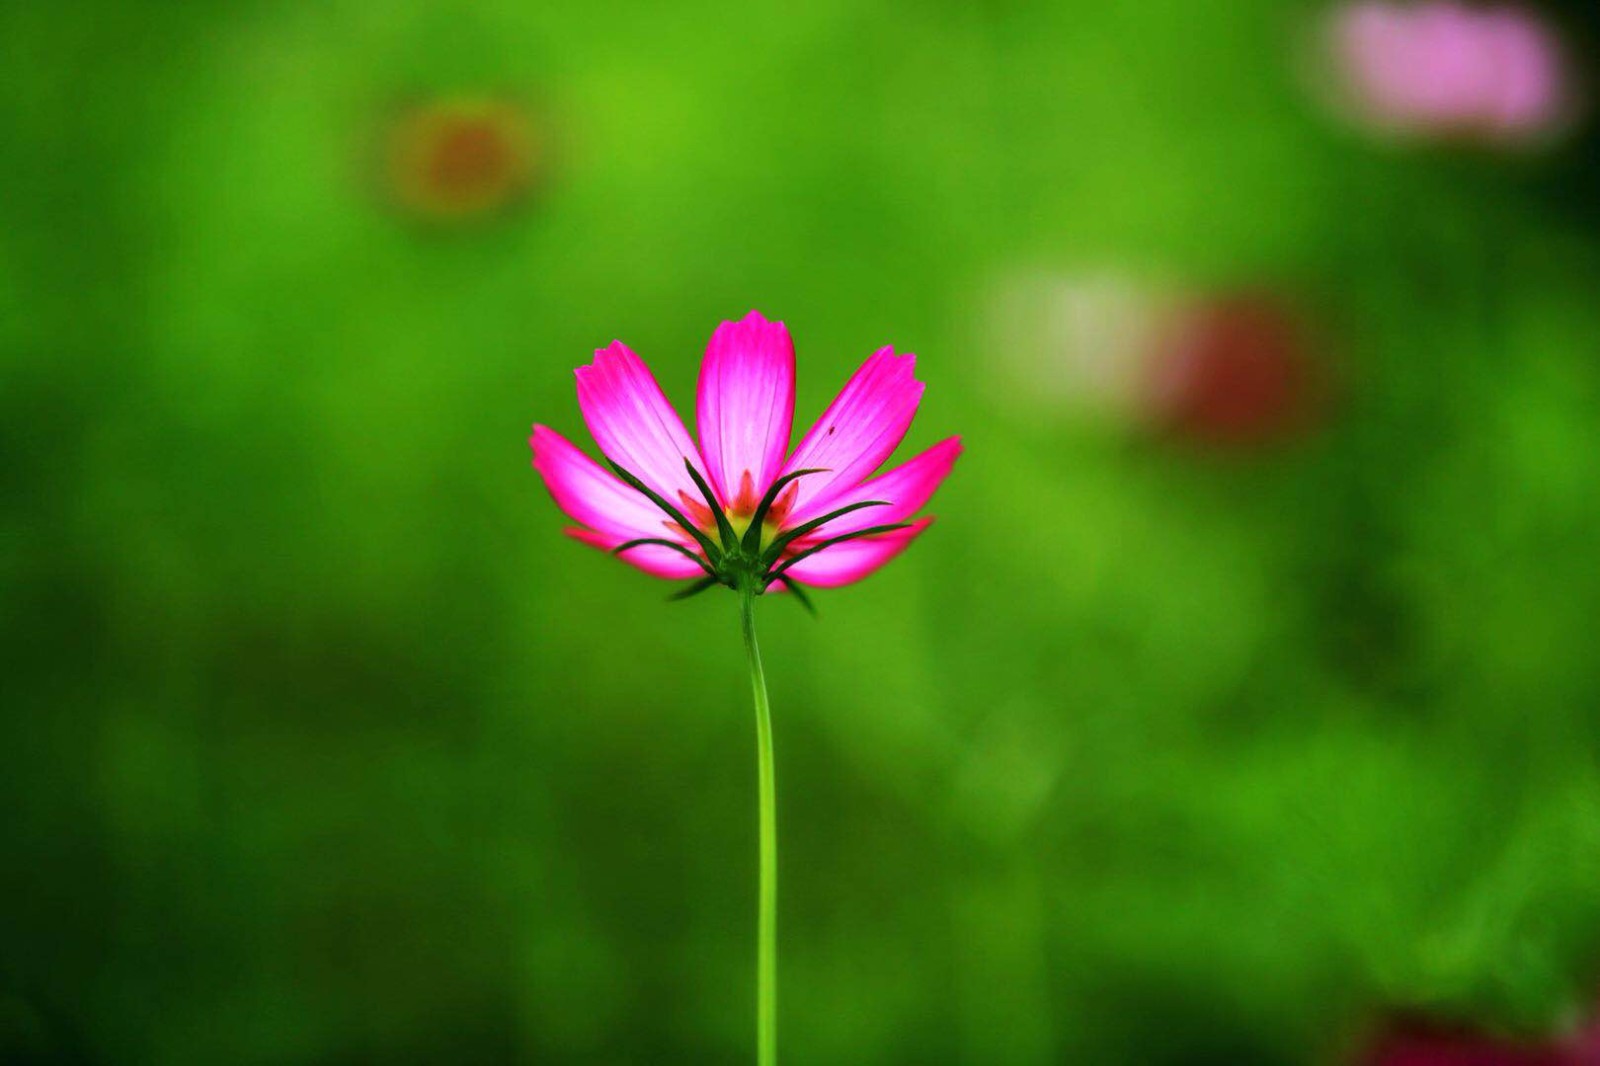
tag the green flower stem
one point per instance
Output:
(767, 924)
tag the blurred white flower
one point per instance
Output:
(1079, 344)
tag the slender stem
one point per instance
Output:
(767, 924)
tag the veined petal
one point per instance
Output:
(633, 423)
(651, 558)
(745, 407)
(854, 559)
(591, 495)
(904, 490)
(858, 431)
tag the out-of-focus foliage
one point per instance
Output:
(323, 745)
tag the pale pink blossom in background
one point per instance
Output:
(1441, 70)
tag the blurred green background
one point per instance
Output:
(322, 744)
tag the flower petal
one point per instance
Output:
(858, 431)
(905, 489)
(634, 424)
(651, 558)
(591, 495)
(745, 408)
(854, 559)
(1525, 75)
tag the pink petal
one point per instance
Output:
(591, 495)
(746, 406)
(1374, 43)
(1526, 95)
(651, 558)
(858, 431)
(854, 559)
(906, 488)
(1449, 74)
(634, 424)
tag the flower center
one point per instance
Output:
(741, 523)
(742, 509)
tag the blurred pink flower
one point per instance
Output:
(1446, 70)
(741, 509)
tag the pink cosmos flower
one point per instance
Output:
(1446, 70)
(740, 508)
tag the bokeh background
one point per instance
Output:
(1231, 720)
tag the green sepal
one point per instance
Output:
(694, 589)
(871, 531)
(664, 543)
(730, 539)
(752, 536)
(712, 551)
(775, 549)
(800, 596)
